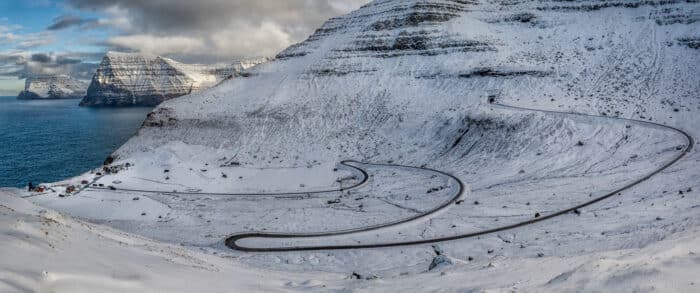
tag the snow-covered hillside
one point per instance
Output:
(53, 87)
(128, 79)
(418, 91)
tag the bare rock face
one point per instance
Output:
(127, 79)
(52, 87)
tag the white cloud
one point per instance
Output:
(158, 45)
(10, 35)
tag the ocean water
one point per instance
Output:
(47, 141)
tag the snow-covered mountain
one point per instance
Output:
(433, 84)
(53, 87)
(127, 79)
(425, 63)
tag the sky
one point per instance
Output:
(39, 37)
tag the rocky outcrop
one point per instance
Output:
(127, 79)
(52, 87)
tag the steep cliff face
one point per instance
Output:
(125, 79)
(53, 87)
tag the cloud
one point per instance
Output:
(23, 64)
(158, 45)
(41, 58)
(227, 28)
(10, 36)
(68, 21)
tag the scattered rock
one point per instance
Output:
(537, 215)
(135, 198)
(506, 238)
(112, 187)
(334, 201)
(476, 203)
(438, 262)
(579, 143)
(143, 214)
(461, 201)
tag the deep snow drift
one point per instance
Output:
(432, 84)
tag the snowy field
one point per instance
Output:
(564, 129)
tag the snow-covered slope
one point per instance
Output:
(127, 79)
(45, 251)
(423, 83)
(53, 87)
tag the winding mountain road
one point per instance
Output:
(346, 163)
(232, 241)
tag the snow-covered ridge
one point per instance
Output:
(127, 79)
(53, 87)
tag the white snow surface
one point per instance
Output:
(409, 83)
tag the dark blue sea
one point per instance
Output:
(47, 141)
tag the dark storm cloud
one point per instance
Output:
(223, 27)
(67, 21)
(41, 58)
(168, 15)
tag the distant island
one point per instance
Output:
(49, 87)
(131, 79)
